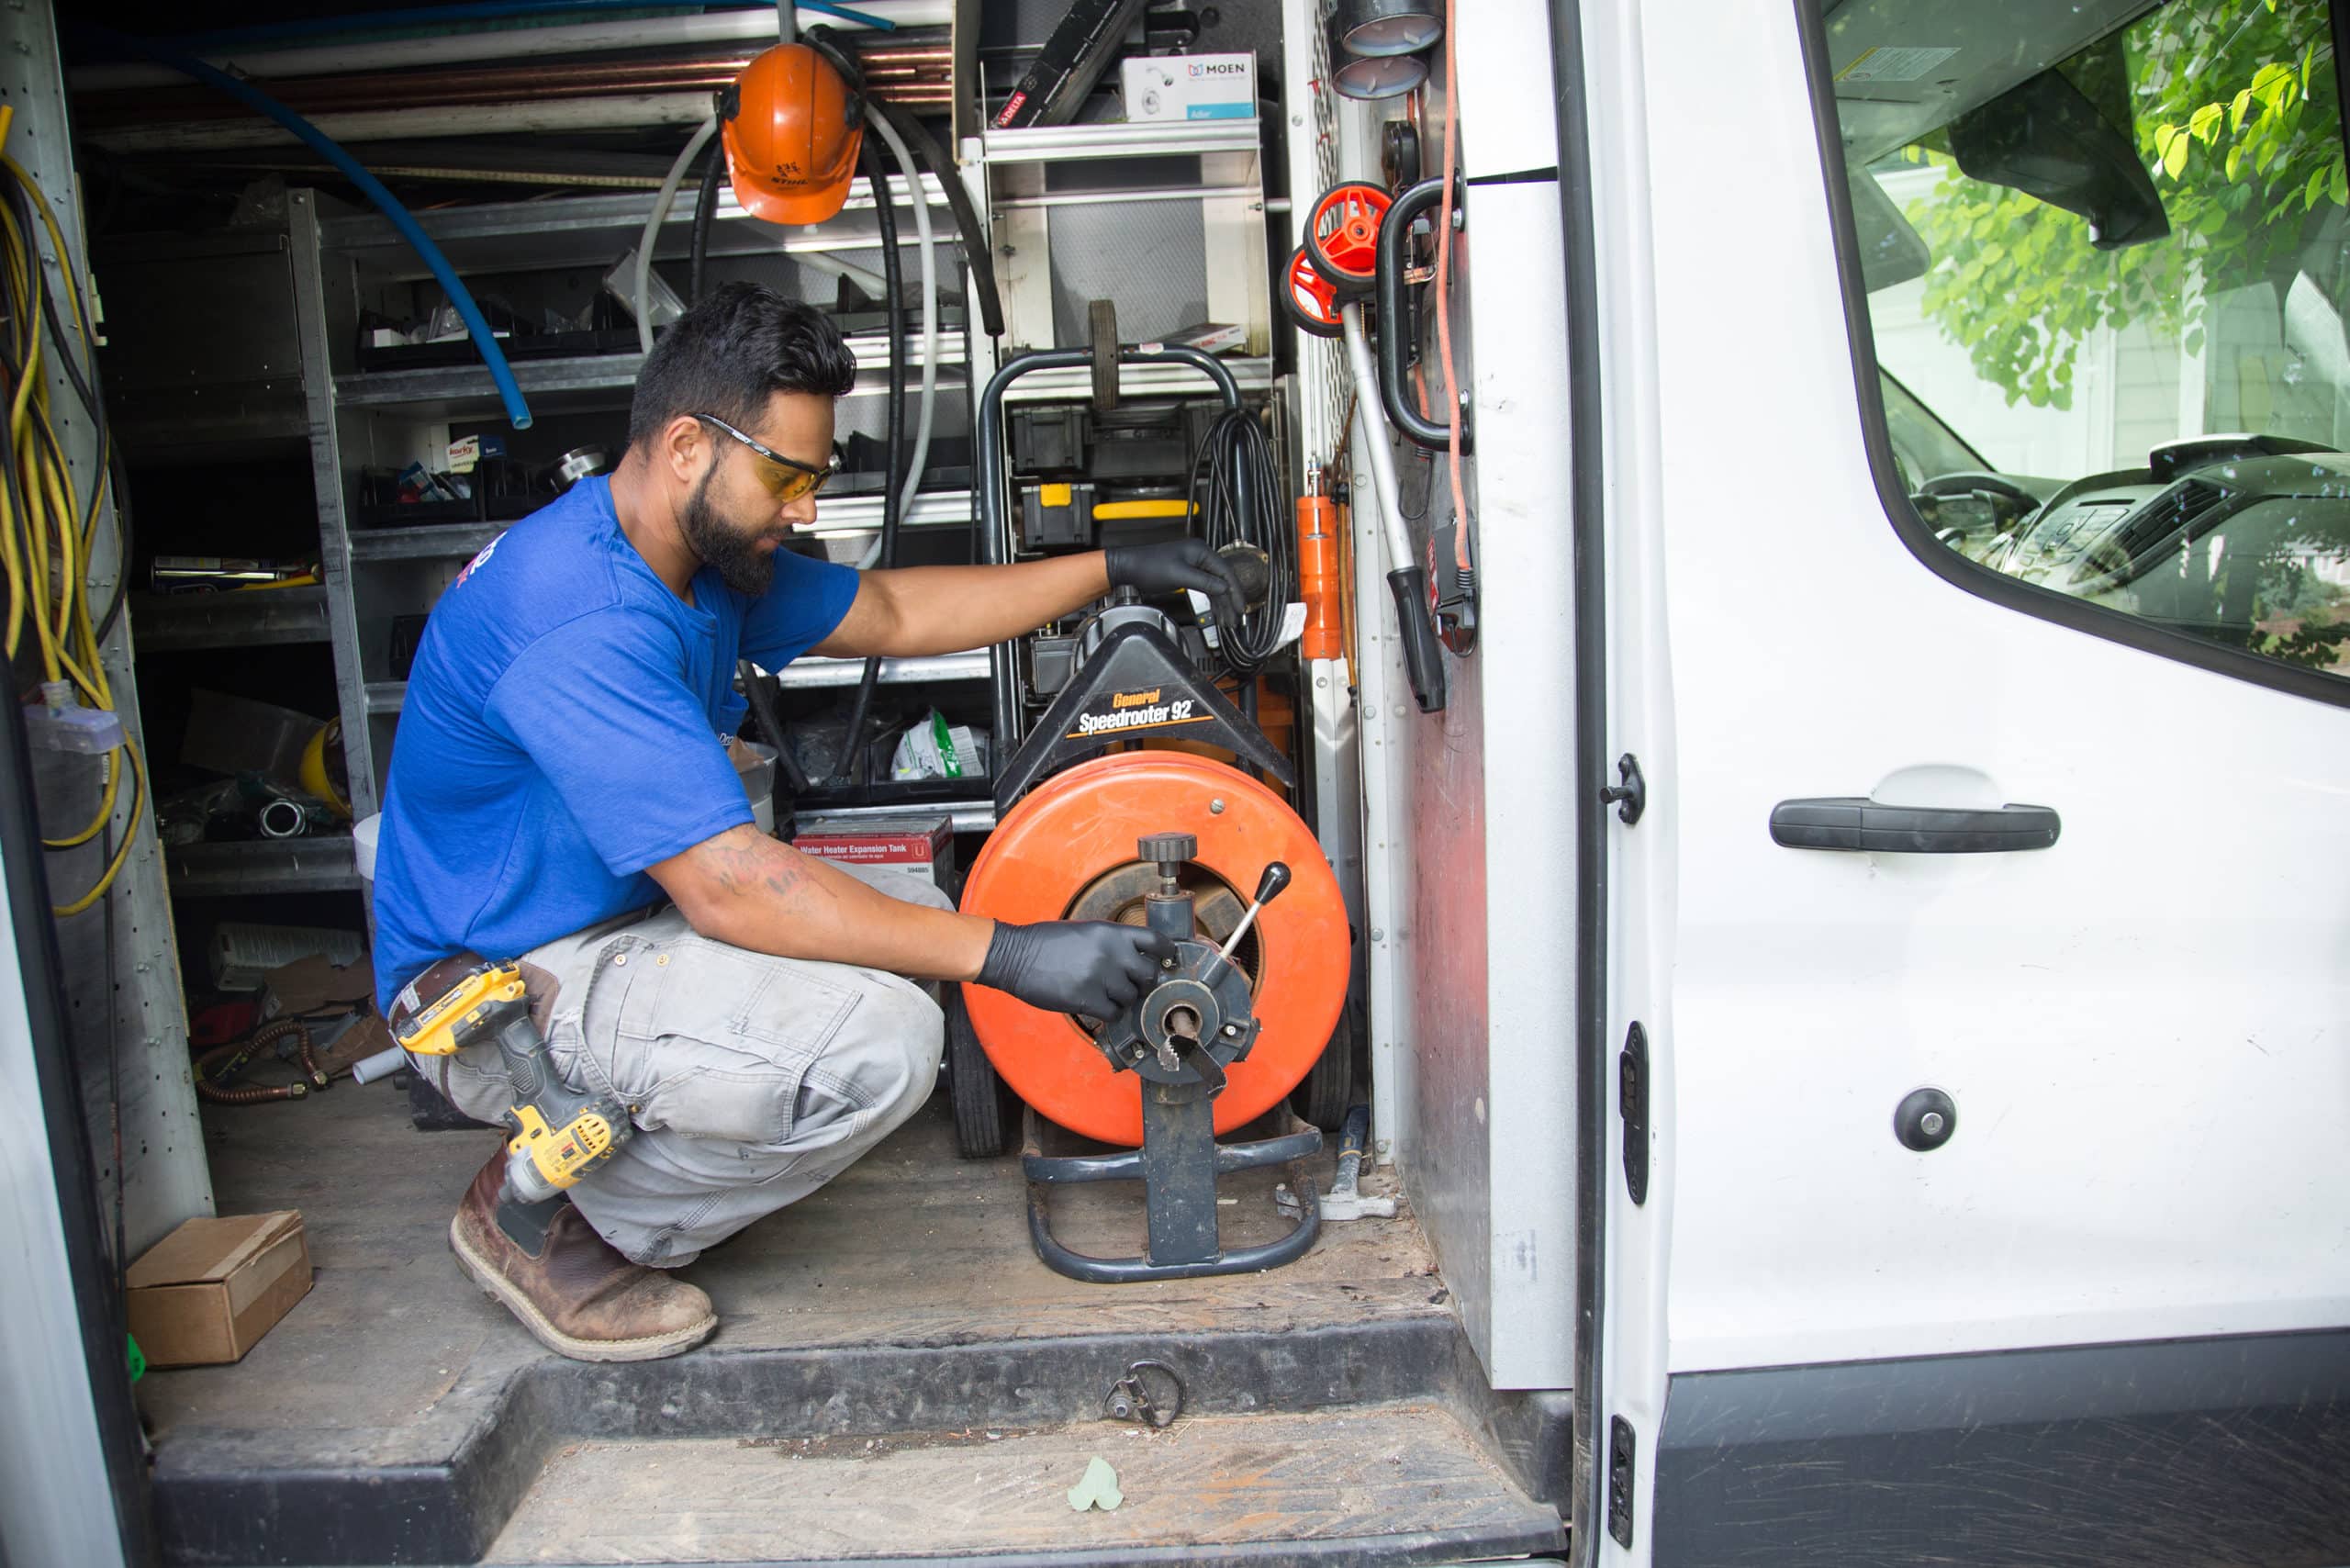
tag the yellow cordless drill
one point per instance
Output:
(559, 1137)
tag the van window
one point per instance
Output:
(2106, 256)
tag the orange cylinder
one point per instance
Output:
(1317, 577)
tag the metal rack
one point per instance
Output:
(342, 261)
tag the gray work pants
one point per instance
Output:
(753, 1079)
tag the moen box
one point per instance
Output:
(210, 1290)
(919, 846)
(1191, 86)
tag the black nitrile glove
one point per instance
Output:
(1092, 966)
(1154, 569)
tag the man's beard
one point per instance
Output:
(735, 556)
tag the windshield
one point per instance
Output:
(2089, 231)
(2063, 349)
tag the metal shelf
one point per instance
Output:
(1138, 381)
(583, 382)
(264, 866)
(385, 696)
(429, 542)
(834, 514)
(810, 670)
(181, 623)
(969, 816)
(855, 514)
(1069, 143)
(528, 236)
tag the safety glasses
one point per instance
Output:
(785, 478)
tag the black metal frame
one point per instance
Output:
(1180, 1160)
(988, 471)
(1178, 1164)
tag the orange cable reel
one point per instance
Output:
(1066, 851)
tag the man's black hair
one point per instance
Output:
(727, 355)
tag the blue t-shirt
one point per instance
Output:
(564, 729)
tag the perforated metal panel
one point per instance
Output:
(1147, 257)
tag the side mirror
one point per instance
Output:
(2045, 139)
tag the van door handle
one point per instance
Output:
(1855, 822)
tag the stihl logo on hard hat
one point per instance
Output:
(791, 135)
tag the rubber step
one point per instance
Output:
(1400, 1483)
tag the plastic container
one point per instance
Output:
(362, 850)
(755, 766)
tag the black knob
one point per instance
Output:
(1163, 848)
(1925, 1120)
(1269, 885)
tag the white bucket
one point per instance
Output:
(755, 766)
(364, 835)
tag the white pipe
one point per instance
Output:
(643, 292)
(880, 122)
(1378, 443)
(507, 43)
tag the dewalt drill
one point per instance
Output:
(559, 1135)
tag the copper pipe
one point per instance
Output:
(709, 70)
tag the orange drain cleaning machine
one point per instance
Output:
(1199, 850)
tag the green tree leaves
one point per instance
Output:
(2236, 114)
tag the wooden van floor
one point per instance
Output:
(914, 1269)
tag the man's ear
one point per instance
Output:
(684, 448)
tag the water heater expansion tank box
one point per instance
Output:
(1191, 86)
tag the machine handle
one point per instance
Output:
(1395, 239)
(1420, 659)
(1856, 822)
(1269, 888)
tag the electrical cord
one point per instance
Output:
(851, 761)
(1234, 495)
(38, 510)
(1443, 307)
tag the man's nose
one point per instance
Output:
(801, 508)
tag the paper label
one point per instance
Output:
(1888, 63)
(463, 454)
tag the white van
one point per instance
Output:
(1852, 972)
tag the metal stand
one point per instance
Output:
(1178, 1165)
(1178, 1040)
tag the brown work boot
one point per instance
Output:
(575, 1293)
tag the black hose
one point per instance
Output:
(1234, 496)
(771, 724)
(713, 173)
(927, 150)
(853, 757)
(981, 263)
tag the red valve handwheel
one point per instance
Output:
(1343, 238)
(1313, 304)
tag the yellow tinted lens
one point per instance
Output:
(781, 480)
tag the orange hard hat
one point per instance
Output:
(792, 129)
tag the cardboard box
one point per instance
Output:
(1190, 86)
(918, 845)
(208, 1291)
